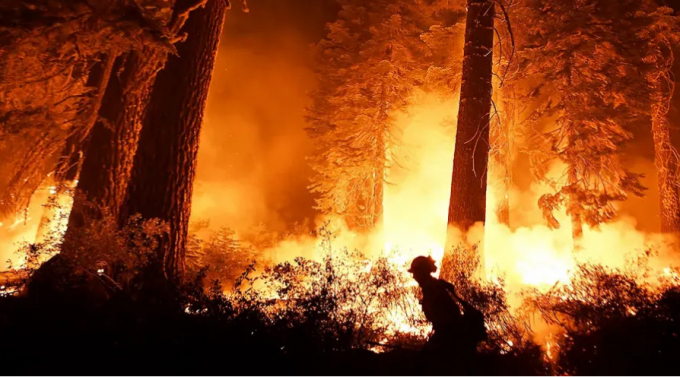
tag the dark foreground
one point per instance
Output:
(48, 337)
(62, 333)
(53, 337)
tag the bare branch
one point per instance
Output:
(512, 38)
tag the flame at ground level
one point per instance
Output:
(416, 197)
(526, 255)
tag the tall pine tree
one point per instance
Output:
(162, 179)
(374, 55)
(593, 65)
(661, 32)
(468, 185)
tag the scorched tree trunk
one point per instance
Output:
(666, 161)
(112, 143)
(164, 169)
(68, 165)
(468, 185)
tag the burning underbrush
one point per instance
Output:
(341, 300)
(370, 301)
(612, 320)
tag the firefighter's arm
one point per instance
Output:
(452, 289)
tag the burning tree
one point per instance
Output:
(113, 140)
(659, 36)
(471, 157)
(162, 179)
(112, 143)
(51, 91)
(372, 58)
(117, 50)
(589, 63)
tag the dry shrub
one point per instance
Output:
(348, 301)
(344, 301)
(508, 332)
(615, 321)
(100, 250)
(221, 257)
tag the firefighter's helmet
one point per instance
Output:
(423, 265)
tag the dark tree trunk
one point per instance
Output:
(164, 168)
(113, 140)
(68, 165)
(468, 185)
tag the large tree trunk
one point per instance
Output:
(164, 168)
(666, 161)
(108, 153)
(68, 165)
(113, 140)
(468, 185)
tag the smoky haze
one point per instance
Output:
(251, 162)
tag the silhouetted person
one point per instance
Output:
(442, 308)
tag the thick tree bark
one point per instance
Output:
(113, 140)
(68, 165)
(165, 164)
(468, 185)
(667, 164)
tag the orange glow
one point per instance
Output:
(44, 220)
(259, 179)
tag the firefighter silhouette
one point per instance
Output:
(457, 325)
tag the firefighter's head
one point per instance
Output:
(422, 267)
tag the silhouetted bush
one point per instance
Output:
(308, 316)
(510, 343)
(615, 321)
